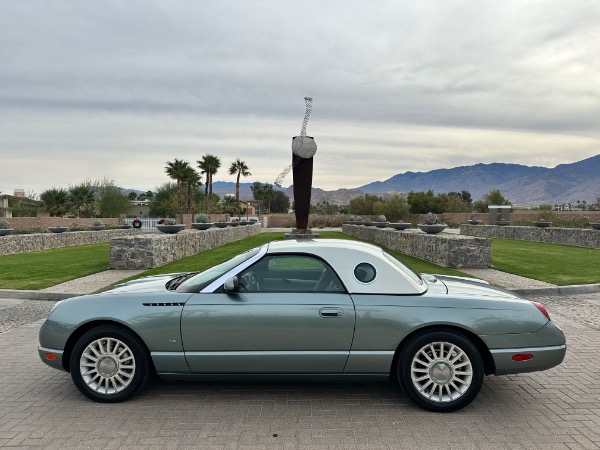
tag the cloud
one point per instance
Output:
(120, 88)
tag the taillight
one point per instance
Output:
(542, 309)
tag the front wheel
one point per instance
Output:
(440, 371)
(109, 364)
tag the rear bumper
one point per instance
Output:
(543, 358)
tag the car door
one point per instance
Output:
(292, 315)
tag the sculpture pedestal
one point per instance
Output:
(301, 234)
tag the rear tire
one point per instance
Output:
(441, 371)
(110, 364)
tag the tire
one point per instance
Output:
(441, 371)
(110, 364)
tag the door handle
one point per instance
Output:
(331, 312)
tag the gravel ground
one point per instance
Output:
(18, 312)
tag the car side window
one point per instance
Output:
(290, 273)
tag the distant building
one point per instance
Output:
(139, 208)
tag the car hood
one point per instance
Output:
(155, 283)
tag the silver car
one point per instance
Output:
(302, 310)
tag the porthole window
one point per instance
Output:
(365, 273)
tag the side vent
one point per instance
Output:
(164, 304)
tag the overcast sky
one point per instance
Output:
(92, 89)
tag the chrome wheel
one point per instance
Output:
(107, 366)
(110, 363)
(441, 372)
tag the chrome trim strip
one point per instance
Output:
(268, 353)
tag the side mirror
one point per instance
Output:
(232, 285)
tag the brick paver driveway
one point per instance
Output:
(558, 408)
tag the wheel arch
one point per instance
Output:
(79, 332)
(488, 361)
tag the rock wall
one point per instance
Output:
(448, 250)
(153, 250)
(21, 243)
(578, 237)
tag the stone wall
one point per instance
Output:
(153, 250)
(21, 243)
(36, 223)
(448, 250)
(578, 237)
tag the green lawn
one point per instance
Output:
(556, 264)
(552, 263)
(38, 270)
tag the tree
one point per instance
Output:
(192, 182)
(56, 201)
(494, 197)
(82, 200)
(164, 202)
(363, 204)
(263, 192)
(393, 208)
(132, 196)
(238, 168)
(178, 170)
(424, 202)
(208, 165)
(111, 200)
(229, 204)
(280, 203)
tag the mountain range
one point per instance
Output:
(522, 185)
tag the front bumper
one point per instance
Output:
(54, 361)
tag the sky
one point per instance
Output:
(115, 89)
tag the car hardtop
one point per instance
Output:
(346, 257)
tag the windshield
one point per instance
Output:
(405, 269)
(203, 279)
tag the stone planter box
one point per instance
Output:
(153, 250)
(577, 237)
(448, 250)
(23, 243)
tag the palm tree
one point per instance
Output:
(81, 198)
(177, 170)
(56, 201)
(240, 168)
(208, 165)
(192, 181)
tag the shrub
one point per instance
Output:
(381, 218)
(98, 223)
(169, 222)
(4, 225)
(431, 219)
(202, 218)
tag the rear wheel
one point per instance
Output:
(109, 364)
(440, 371)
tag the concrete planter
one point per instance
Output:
(170, 229)
(6, 231)
(58, 229)
(432, 229)
(97, 227)
(595, 226)
(541, 224)
(202, 226)
(221, 224)
(381, 224)
(400, 226)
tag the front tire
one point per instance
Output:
(441, 371)
(109, 364)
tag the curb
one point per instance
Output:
(558, 290)
(35, 295)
